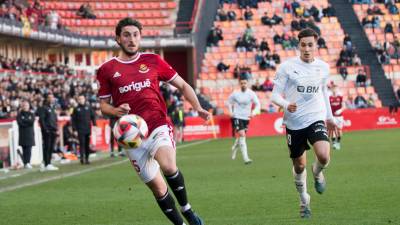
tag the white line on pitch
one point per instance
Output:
(44, 180)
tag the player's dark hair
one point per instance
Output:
(244, 76)
(308, 32)
(127, 22)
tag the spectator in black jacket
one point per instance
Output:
(48, 124)
(81, 118)
(25, 120)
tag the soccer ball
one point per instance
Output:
(130, 131)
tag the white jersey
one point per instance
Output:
(304, 84)
(241, 103)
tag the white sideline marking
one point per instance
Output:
(44, 180)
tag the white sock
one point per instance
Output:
(186, 207)
(236, 142)
(317, 168)
(300, 180)
(243, 148)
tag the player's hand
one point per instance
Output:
(204, 114)
(332, 128)
(337, 113)
(122, 110)
(292, 107)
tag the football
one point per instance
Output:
(130, 131)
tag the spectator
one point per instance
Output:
(321, 43)
(86, 11)
(192, 113)
(265, 20)
(361, 78)
(349, 103)
(329, 11)
(271, 108)
(276, 57)
(356, 61)
(360, 102)
(222, 15)
(257, 86)
(389, 28)
(231, 15)
(259, 57)
(343, 71)
(222, 67)
(248, 14)
(25, 120)
(70, 139)
(240, 45)
(276, 20)
(52, 20)
(264, 45)
(268, 85)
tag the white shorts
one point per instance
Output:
(142, 158)
(339, 121)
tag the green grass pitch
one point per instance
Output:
(363, 188)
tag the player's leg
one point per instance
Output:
(318, 137)
(243, 146)
(166, 157)
(149, 171)
(297, 143)
(164, 199)
(300, 180)
(242, 140)
(235, 146)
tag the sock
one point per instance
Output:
(300, 180)
(243, 148)
(339, 138)
(317, 168)
(177, 184)
(236, 142)
(167, 205)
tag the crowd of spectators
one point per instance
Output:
(32, 16)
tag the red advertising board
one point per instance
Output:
(271, 124)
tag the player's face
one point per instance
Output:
(307, 48)
(129, 40)
(243, 85)
(81, 100)
(25, 106)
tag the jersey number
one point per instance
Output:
(289, 139)
(135, 165)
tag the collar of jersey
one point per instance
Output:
(130, 61)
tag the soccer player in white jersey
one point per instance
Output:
(307, 113)
(239, 104)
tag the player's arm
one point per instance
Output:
(340, 111)
(257, 105)
(277, 92)
(108, 109)
(190, 95)
(230, 104)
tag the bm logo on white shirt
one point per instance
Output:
(307, 89)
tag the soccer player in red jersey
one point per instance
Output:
(337, 107)
(131, 80)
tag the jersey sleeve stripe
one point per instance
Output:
(105, 96)
(173, 77)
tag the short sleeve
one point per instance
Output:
(104, 89)
(280, 77)
(165, 71)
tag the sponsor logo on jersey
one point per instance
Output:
(143, 68)
(116, 74)
(138, 86)
(308, 89)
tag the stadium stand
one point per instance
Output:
(380, 22)
(158, 16)
(281, 41)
